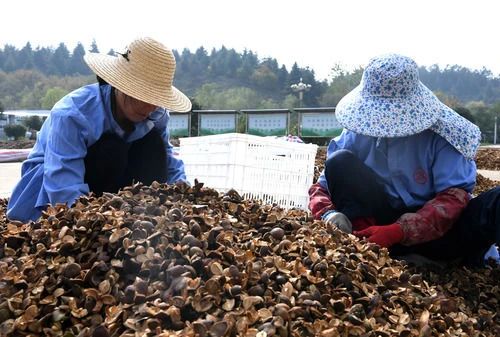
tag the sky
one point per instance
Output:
(315, 34)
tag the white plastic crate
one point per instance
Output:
(264, 168)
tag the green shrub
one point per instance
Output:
(15, 130)
(33, 123)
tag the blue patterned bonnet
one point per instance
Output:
(391, 101)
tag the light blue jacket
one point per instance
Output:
(54, 170)
(412, 169)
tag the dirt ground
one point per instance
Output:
(17, 144)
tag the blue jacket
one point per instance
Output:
(54, 170)
(413, 169)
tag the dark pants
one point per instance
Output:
(357, 192)
(111, 163)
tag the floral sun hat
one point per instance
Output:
(392, 102)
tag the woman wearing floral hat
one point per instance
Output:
(402, 171)
(106, 135)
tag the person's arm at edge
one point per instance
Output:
(435, 218)
(175, 166)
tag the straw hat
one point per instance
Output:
(391, 101)
(145, 71)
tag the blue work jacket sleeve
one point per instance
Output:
(64, 159)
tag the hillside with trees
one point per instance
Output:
(34, 78)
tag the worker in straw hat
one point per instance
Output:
(402, 171)
(104, 136)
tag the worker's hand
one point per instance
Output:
(338, 219)
(385, 236)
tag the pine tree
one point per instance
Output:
(61, 59)
(93, 47)
(76, 63)
(26, 57)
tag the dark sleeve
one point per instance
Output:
(319, 201)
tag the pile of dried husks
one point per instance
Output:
(488, 159)
(484, 184)
(186, 261)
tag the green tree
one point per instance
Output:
(484, 117)
(15, 130)
(233, 62)
(52, 96)
(264, 77)
(282, 79)
(60, 59)
(42, 59)
(495, 112)
(25, 89)
(195, 105)
(249, 62)
(448, 100)
(93, 47)
(9, 101)
(495, 108)
(201, 60)
(290, 102)
(33, 123)
(206, 95)
(26, 57)
(465, 113)
(220, 65)
(9, 58)
(463, 83)
(269, 104)
(342, 82)
(76, 64)
(295, 75)
(238, 98)
(30, 96)
(184, 62)
(211, 96)
(30, 99)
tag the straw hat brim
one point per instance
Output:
(113, 70)
(381, 116)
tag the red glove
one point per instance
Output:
(384, 236)
(358, 224)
